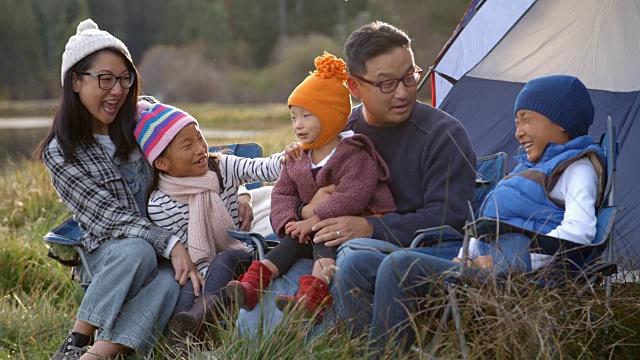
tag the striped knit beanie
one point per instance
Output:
(324, 93)
(158, 125)
(563, 99)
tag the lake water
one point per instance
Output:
(20, 136)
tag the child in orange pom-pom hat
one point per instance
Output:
(320, 107)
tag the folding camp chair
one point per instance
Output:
(489, 171)
(581, 264)
(65, 246)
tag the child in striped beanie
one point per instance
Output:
(320, 107)
(194, 195)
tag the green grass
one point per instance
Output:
(38, 300)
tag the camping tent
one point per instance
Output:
(501, 44)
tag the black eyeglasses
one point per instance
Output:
(108, 81)
(390, 85)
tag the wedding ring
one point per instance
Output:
(337, 234)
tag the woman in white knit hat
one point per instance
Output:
(100, 173)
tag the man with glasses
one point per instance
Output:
(428, 153)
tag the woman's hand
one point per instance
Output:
(294, 150)
(185, 268)
(245, 212)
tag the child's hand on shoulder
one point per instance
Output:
(294, 150)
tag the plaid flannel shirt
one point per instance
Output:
(99, 198)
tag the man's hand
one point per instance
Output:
(245, 212)
(185, 268)
(294, 150)
(335, 231)
(321, 196)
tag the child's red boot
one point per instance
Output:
(313, 295)
(244, 291)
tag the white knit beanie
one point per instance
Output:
(87, 40)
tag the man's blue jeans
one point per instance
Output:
(265, 317)
(381, 291)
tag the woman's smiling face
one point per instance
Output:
(103, 105)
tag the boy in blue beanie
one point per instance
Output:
(554, 190)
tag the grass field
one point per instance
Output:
(38, 300)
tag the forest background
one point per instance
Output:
(223, 51)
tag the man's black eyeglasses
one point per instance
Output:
(390, 85)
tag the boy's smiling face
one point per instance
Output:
(534, 131)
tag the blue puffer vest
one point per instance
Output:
(522, 197)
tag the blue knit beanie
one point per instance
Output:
(563, 99)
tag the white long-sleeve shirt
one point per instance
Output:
(577, 187)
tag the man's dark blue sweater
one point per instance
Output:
(432, 167)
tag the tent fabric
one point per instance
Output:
(484, 27)
(586, 39)
(594, 40)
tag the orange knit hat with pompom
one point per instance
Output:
(324, 93)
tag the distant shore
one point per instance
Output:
(36, 122)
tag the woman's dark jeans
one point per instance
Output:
(225, 266)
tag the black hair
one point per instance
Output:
(372, 40)
(72, 125)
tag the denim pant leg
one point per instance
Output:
(264, 317)
(186, 298)
(446, 250)
(357, 286)
(403, 277)
(144, 317)
(132, 296)
(224, 267)
(510, 253)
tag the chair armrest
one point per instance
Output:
(435, 236)
(52, 238)
(251, 238)
(66, 233)
(540, 243)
